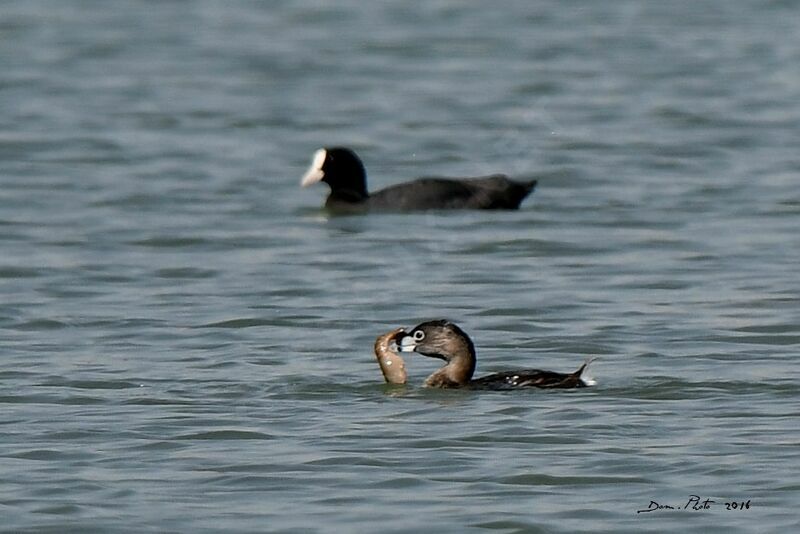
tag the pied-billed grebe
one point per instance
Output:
(392, 364)
(343, 171)
(446, 341)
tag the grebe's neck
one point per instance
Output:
(460, 357)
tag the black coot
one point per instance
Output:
(343, 171)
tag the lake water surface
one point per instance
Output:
(186, 337)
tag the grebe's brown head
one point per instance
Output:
(438, 339)
(446, 341)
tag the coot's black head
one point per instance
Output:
(342, 170)
(438, 339)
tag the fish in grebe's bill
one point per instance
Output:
(392, 364)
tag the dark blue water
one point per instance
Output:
(186, 337)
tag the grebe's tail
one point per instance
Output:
(587, 379)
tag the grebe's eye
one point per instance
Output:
(419, 335)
